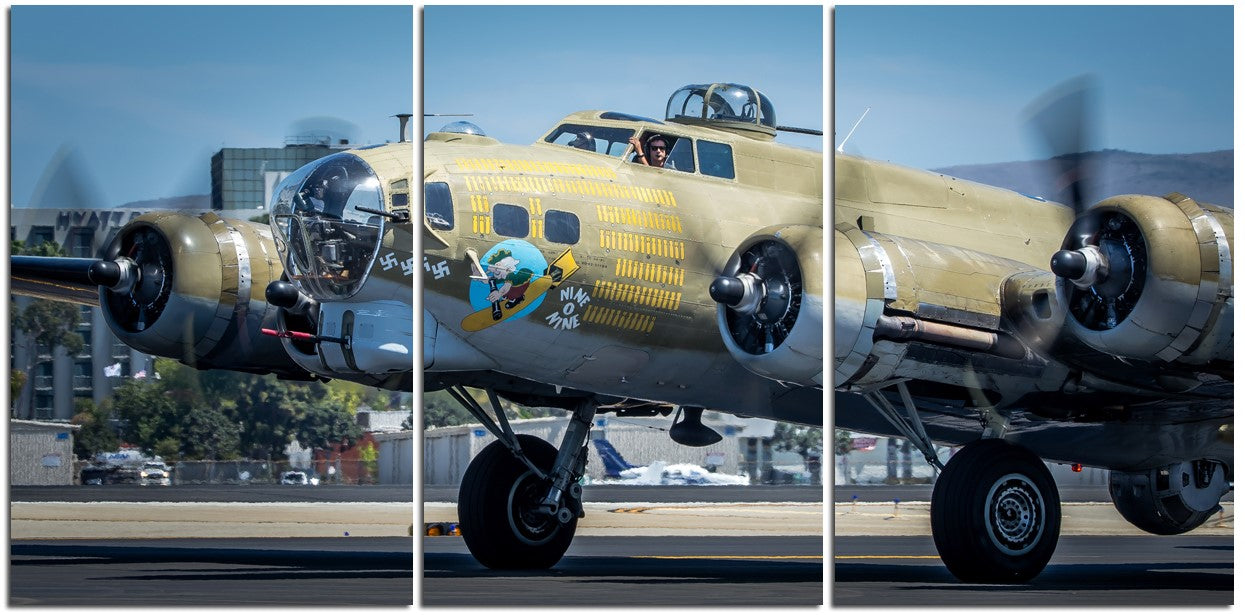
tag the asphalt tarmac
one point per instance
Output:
(212, 572)
(635, 571)
(1085, 571)
(214, 493)
(671, 493)
(356, 570)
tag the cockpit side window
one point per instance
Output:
(716, 159)
(596, 139)
(678, 154)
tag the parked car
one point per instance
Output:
(154, 473)
(294, 478)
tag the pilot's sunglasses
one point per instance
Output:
(660, 147)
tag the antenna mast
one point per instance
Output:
(839, 149)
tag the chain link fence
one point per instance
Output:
(242, 471)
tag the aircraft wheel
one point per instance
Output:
(995, 513)
(497, 509)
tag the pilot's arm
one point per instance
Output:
(639, 150)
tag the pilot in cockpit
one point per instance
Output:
(655, 153)
(584, 141)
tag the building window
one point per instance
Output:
(82, 375)
(80, 243)
(511, 220)
(43, 406)
(85, 317)
(39, 235)
(85, 332)
(561, 227)
(43, 375)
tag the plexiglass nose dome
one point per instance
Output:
(325, 222)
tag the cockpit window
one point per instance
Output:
(678, 152)
(716, 160)
(326, 219)
(597, 139)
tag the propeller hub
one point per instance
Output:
(727, 290)
(1084, 267)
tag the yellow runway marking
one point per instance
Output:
(725, 556)
(886, 557)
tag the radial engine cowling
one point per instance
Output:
(770, 304)
(198, 295)
(1145, 277)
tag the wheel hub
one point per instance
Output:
(529, 522)
(1014, 514)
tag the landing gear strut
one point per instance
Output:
(995, 513)
(519, 502)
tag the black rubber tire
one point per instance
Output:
(495, 534)
(1009, 541)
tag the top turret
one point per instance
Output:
(724, 106)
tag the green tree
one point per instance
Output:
(207, 432)
(95, 431)
(440, 410)
(368, 455)
(148, 415)
(273, 412)
(50, 323)
(17, 381)
(800, 439)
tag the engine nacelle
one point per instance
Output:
(770, 302)
(198, 294)
(1172, 499)
(890, 291)
(1157, 279)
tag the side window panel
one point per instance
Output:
(561, 227)
(716, 159)
(681, 156)
(510, 220)
(438, 206)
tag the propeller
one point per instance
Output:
(1102, 261)
(142, 269)
(763, 295)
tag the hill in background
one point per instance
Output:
(1204, 177)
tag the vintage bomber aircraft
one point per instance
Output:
(970, 315)
(564, 274)
(322, 291)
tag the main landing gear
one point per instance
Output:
(520, 498)
(995, 508)
(995, 513)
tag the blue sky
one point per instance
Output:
(947, 85)
(521, 69)
(146, 94)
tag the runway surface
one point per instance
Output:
(1085, 571)
(741, 546)
(123, 545)
(212, 572)
(922, 493)
(214, 493)
(634, 571)
(671, 493)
